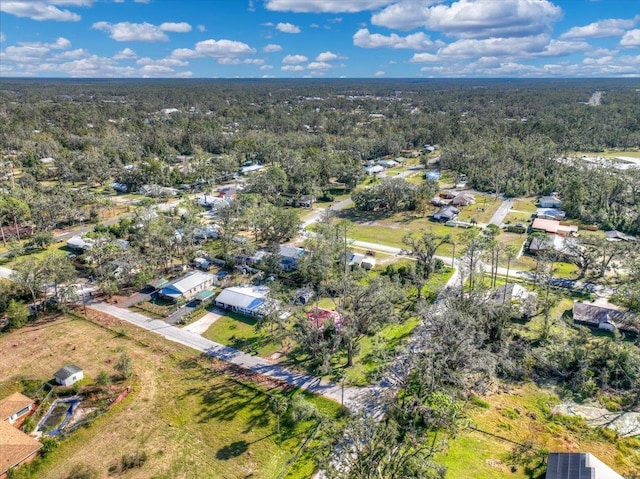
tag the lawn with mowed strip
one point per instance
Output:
(192, 416)
(523, 414)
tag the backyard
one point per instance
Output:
(192, 416)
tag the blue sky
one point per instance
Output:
(320, 38)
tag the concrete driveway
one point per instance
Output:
(204, 323)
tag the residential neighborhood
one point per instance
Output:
(257, 294)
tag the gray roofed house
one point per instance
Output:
(578, 465)
(618, 236)
(248, 300)
(68, 375)
(463, 199)
(600, 317)
(446, 213)
(188, 286)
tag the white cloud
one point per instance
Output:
(604, 28)
(37, 10)
(3, 37)
(71, 3)
(293, 59)
(202, 28)
(180, 27)
(559, 48)
(132, 32)
(185, 53)
(379, 73)
(126, 54)
(473, 18)
(416, 41)
(164, 62)
(287, 28)
(631, 39)
(141, 32)
(61, 43)
(470, 48)
(223, 50)
(266, 67)
(319, 66)
(272, 48)
(71, 55)
(424, 58)
(325, 6)
(327, 57)
(156, 71)
(292, 68)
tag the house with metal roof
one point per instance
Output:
(248, 300)
(578, 465)
(549, 202)
(68, 375)
(188, 286)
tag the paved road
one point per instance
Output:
(498, 217)
(225, 353)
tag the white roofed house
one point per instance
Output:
(251, 301)
(549, 202)
(188, 286)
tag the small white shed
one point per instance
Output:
(68, 375)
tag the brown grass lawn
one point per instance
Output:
(191, 417)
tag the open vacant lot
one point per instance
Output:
(193, 417)
(522, 414)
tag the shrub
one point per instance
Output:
(82, 471)
(478, 402)
(129, 461)
(133, 460)
(29, 425)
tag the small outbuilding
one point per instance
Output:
(68, 375)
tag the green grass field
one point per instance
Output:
(522, 413)
(239, 332)
(192, 416)
(527, 205)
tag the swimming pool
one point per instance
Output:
(58, 415)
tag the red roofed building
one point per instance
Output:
(320, 316)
